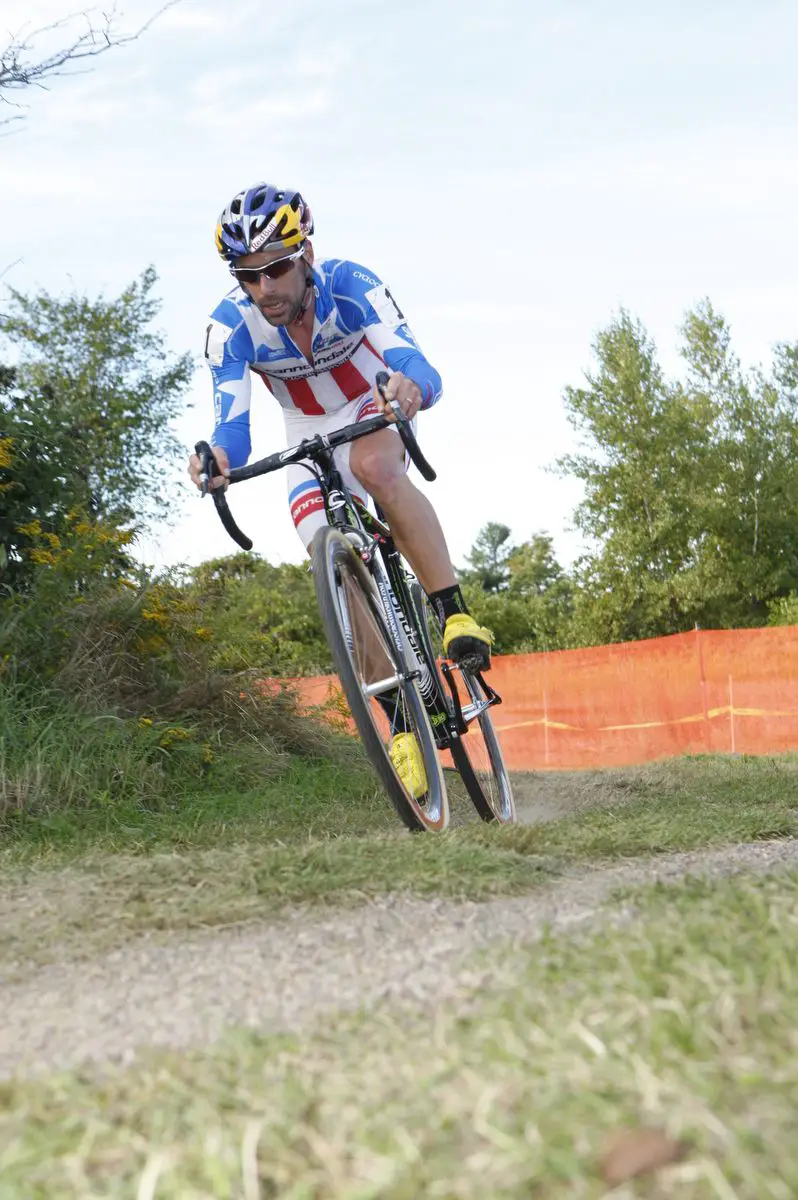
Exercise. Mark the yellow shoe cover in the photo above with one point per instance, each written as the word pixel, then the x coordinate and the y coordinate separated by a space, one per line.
pixel 405 754
pixel 464 639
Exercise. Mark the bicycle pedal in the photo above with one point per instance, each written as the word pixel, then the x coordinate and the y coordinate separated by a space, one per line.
pixel 471 662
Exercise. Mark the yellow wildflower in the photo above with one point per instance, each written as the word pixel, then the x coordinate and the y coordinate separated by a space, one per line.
pixel 155 614
pixel 32 529
pixel 6 457
pixel 175 733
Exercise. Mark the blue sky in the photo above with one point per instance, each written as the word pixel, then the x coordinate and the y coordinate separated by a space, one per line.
pixel 516 171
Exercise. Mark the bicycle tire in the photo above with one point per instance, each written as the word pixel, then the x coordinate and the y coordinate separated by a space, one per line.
pixel 477 754
pixel 361 644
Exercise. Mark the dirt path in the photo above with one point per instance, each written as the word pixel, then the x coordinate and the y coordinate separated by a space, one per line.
pixel 551 796
pixel 187 990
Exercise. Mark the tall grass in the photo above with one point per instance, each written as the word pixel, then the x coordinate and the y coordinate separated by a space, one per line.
pixel 56 754
pixel 110 702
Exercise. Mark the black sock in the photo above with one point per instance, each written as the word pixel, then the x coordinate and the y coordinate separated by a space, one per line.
pixel 447 602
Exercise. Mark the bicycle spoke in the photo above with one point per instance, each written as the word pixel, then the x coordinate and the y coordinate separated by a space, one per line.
pixel 476 754
pixel 383 697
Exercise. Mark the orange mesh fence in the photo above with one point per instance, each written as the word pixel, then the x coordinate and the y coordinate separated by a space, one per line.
pixel 713 691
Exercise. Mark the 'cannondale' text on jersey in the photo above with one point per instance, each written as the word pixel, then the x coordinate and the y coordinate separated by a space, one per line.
pixel 358 330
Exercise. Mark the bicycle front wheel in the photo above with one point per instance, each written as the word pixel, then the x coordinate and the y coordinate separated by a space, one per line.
pixel 381 692
pixel 476 754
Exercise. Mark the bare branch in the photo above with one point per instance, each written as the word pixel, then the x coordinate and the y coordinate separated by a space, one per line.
pixel 21 67
pixel 10 267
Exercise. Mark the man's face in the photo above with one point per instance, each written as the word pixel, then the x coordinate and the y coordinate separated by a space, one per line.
pixel 280 292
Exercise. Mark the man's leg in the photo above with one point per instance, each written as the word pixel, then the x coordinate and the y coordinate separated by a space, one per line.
pixel 377 462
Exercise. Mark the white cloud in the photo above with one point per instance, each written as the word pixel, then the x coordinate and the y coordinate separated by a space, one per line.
pixel 267 113
pixel 187 18
pixel 272 98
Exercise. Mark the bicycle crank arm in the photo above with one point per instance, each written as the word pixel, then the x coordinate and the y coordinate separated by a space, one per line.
pixel 491 695
pixel 460 723
pixel 474 710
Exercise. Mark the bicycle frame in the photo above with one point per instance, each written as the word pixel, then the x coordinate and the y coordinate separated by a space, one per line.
pixel 446 725
pixel 375 545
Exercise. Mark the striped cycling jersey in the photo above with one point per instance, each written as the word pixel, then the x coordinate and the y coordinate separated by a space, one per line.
pixel 358 330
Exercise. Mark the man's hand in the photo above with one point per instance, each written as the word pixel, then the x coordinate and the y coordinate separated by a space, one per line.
pixel 400 388
pixel 195 468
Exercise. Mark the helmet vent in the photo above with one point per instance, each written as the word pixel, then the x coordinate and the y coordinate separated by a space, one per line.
pixel 265 215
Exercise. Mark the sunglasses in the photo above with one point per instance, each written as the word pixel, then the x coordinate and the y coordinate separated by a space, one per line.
pixel 272 270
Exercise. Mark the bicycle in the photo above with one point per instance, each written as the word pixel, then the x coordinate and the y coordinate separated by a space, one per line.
pixel 385 637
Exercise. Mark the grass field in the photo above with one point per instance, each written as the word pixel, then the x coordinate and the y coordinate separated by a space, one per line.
pixel 682 1020
pixel 94 880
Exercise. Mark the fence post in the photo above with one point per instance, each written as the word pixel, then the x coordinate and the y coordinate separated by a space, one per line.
pixel 731 714
pixel 703 678
pixel 545 711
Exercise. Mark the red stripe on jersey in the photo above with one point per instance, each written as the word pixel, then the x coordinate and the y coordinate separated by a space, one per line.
pixel 369 346
pixel 305 505
pixel 302 397
pixel 266 382
pixel 349 380
pixel 369 409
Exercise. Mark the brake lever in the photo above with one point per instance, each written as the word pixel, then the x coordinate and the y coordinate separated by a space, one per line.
pixel 405 430
pixel 393 405
pixel 207 462
pixel 395 408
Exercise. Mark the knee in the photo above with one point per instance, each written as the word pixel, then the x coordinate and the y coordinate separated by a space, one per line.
pixel 381 475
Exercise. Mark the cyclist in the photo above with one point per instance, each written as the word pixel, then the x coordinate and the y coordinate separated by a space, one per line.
pixel 316 334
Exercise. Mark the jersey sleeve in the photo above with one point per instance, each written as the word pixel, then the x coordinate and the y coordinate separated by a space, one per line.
pixel 366 303
pixel 228 352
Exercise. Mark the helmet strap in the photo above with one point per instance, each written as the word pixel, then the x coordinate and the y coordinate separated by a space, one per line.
pixel 305 305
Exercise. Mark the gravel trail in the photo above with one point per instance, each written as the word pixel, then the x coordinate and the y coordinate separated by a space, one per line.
pixel 282 975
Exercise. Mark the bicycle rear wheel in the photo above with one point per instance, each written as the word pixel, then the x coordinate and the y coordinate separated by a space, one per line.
pixel 477 754
pixel 369 666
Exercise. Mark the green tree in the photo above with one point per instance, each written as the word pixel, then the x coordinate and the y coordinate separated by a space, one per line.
pixel 532 566
pixel 488 560
pixel 530 608
pixel 691 488
pixel 85 412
